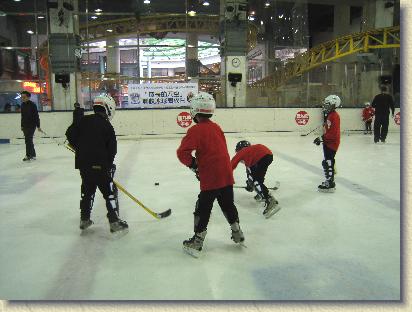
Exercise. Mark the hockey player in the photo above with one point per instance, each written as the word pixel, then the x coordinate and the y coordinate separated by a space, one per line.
pixel 331 141
pixel 78 113
pixel 257 159
pixel 382 103
pixel 367 115
pixel 94 141
pixel 212 166
pixel 29 122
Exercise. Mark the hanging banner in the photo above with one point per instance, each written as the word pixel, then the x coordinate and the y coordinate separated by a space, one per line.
pixel 159 95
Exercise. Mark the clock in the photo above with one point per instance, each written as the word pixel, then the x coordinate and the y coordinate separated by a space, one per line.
pixel 235 62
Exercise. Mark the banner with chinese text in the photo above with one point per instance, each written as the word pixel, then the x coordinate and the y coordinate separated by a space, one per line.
pixel 158 95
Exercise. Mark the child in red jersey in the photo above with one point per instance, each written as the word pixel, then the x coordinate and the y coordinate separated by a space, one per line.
pixel 257 159
pixel 331 141
pixel 367 115
pixel 213 169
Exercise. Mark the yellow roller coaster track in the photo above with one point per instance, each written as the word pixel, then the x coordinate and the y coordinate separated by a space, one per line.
pixel 332 50
pixel 158 24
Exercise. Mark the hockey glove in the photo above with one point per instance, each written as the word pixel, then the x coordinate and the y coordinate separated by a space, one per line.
pixel 194 168
pixel 249 186
pixel 112 170
pixel 317 141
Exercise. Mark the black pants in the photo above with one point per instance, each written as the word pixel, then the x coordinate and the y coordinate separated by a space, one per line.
pixel 258 172
pixel 368 126
pixel 380 127
pixel 91 179
pixel 28 140
pixel 328 163
pixel 204 206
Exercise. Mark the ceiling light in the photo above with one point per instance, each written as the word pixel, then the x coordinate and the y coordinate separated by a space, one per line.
pixel 251 18
pixel 191 13
pixel 17 0
pixel 93 17
pixel 30 32
pixel 206 3
pixel 146 1
pixel 40 17
pixel 109 30
pixel 267 4
pixel 252 13
pixel 98 10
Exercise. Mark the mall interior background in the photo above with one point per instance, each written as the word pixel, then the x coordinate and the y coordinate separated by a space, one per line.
pixel 256 53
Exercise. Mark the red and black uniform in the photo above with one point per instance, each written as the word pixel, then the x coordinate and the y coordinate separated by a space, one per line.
pixel 367 116
pixel 214 170
pixel 257 159
pixel 331 141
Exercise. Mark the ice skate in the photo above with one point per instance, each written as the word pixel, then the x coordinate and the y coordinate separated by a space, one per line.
pixel 26 158
pixel 259 198
pixel 84 224
pixel 119 226
pixel 327 187
pixel 237 234
pixel 194 245
pixel 271 207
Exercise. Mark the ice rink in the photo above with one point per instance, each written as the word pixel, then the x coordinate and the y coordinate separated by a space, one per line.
pixel 341 246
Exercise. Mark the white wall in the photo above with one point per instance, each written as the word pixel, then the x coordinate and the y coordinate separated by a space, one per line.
pixel 148 122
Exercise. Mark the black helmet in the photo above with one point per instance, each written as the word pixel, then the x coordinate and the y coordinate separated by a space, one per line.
pixel 242 144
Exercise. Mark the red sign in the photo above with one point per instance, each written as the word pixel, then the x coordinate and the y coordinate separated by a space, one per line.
pixel 184 119
pixel 32 87
pixel 397 118
pixel 302 118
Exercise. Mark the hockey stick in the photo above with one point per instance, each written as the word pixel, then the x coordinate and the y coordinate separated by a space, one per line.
pixel 274 188
pixel 305 134
pixel 160 215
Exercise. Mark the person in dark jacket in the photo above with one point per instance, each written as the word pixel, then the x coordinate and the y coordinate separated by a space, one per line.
pixel 382 103
pixel 95 145
pixel 29 122
pixel 212 168
pixel 78 113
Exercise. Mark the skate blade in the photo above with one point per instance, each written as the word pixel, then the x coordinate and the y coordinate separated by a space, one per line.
pixel 119 234
pixel 193 252
pixel 272 212
pixel 331 190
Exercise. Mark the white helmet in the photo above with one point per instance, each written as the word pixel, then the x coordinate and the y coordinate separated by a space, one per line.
pixel 202 103
pixel 367 103
pixel 330 103
pixel 108 103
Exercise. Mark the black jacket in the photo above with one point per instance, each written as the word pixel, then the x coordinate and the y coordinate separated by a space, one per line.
pixel 78 113
pixel 29 115
pixel 95 142
pixel 382 103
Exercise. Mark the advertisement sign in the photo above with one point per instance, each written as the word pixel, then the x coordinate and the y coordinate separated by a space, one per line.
pixel 302 118
pixel 184 119
pixel 159 95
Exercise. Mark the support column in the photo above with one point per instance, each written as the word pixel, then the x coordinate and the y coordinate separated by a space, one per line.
pixel 192 61
pixel 234 33
pixel 64 55
pixel 113 56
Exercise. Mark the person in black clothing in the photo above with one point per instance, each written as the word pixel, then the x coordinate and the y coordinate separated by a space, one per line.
pixel 94 142
pixel 78 113
pixel 29 121
pixel 382 103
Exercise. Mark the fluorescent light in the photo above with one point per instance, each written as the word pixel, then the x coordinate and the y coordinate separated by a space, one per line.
pixel 93 17
pixel 146 1
pixel 40 17
pixel 251 18
pixel 206 3
pixel 30 32
pixel 98 10
pixel 17 0
pixel 267 4
pixel 109 30
pixel 191 13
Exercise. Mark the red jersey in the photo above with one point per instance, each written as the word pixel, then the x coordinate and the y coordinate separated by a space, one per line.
pixel 368 113
pixel 331 131
pixel 209 142
pixel 250 155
